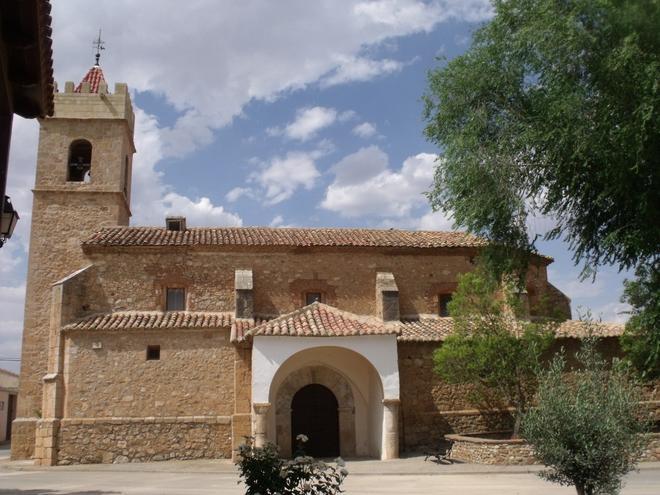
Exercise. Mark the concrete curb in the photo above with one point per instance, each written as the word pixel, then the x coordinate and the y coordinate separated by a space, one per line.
pixel 400 467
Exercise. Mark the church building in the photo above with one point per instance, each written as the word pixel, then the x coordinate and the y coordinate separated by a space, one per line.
pixel 172 342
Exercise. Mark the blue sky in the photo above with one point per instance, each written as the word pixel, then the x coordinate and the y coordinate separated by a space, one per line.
pixel 288 113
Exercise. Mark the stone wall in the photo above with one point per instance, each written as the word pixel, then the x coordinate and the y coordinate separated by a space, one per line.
pixel 491 451
pixel 345 277
pixel 431 408
pixel 478 450
pixel 22 438
pixel 193 377
pixel 64 213
pixel 652 450
pixel 118 440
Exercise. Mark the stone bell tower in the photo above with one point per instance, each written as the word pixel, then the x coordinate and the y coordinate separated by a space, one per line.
pixel 83 182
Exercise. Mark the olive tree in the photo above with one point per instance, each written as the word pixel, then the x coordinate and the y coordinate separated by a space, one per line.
pixel 588 423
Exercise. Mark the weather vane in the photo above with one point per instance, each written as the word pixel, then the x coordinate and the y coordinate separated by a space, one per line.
pixel 99 44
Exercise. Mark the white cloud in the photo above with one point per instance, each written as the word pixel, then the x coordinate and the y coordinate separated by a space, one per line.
pixel 207 62
pixel 11 324
pixel 308 122
pixel 236 193
pixel 365 130
pixel 435 221
pixel 364 185
pixel 277 221
pixel 355 69
pixel 282 176
pixel 152 199
pixel 198 213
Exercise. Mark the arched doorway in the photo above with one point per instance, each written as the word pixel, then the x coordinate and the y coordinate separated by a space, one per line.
pixel 314 413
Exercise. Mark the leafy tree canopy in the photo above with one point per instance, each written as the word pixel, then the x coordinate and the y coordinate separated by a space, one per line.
pixel 554 110
pixel 587 426
pixel 642 338
pixel 490 349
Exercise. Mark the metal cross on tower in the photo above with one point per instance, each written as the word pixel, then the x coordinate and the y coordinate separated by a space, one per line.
pixel 99 44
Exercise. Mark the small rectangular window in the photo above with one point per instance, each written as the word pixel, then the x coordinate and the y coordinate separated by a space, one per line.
pixel 175 300
pixel 312 297
pixel 444 300
pixel 153 352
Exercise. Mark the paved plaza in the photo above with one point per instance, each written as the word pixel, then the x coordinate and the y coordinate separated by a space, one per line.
pixel 205 477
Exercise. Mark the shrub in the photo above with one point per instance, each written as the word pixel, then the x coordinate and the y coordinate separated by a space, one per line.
pixel 265 473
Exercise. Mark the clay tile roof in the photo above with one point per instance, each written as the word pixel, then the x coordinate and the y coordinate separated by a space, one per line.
pixel 321 320
pixel 130 320
pixel 580 329
pixel 265 236
pixel 94 77
pixel 437 329
pixel 426 329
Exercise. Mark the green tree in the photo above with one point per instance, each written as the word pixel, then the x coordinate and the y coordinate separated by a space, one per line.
pixel 587 426
pixel 554 111
pixel 490 348
pixel 641 340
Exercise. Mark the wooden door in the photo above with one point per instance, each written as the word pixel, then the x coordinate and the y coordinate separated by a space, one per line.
pixel 314 414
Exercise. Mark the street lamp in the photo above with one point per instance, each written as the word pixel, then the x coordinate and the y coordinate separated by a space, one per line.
pixel 8 221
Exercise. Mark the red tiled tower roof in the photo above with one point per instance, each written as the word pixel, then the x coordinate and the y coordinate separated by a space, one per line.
pixel 94 77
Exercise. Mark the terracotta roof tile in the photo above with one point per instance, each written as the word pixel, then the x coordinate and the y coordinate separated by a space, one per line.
pixel 130 320
pixel 315 320
pixel 265 236
pixel 437 329
pixel 94 77
pixel 580 329
pixel 321 320
pixel 426 329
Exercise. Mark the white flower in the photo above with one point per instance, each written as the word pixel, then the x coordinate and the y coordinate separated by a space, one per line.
pixel 340 462
pixel 303 438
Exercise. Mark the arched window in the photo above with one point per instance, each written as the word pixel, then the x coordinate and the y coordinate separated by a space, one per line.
pixel 80 161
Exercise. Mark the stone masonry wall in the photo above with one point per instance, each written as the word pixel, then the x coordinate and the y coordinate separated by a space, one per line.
pixel 193 377
pixel 487 451
pixel 515 452
pixel 63 214
pixel 346 278
pixel 120 440
pixel 431 408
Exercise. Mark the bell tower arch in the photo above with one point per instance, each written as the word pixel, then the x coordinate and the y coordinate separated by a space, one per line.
pixel 83 182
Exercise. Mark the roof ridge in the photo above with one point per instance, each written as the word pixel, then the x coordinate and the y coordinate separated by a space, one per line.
pixel 327 307
pixel 279 229
pixel 317 312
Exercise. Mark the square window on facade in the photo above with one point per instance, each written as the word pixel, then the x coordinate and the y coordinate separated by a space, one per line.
pixel 312 297
pixel 444 300
pixel 153 352
pixel 175 299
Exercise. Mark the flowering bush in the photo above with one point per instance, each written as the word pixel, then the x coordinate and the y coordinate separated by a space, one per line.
pixel 265 473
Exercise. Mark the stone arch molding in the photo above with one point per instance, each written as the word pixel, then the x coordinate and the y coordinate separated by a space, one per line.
pixel 339 386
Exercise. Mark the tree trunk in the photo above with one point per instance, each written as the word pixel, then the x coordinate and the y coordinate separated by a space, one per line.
pixel 516 425
pixel 582 490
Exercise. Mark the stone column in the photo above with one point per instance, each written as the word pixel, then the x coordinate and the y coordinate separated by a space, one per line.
pixel 260 422
pixel 390 447
pixel 346 431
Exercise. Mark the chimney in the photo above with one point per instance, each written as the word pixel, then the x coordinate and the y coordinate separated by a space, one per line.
pixel 177 224
pixel 387 297
pixel 244 297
